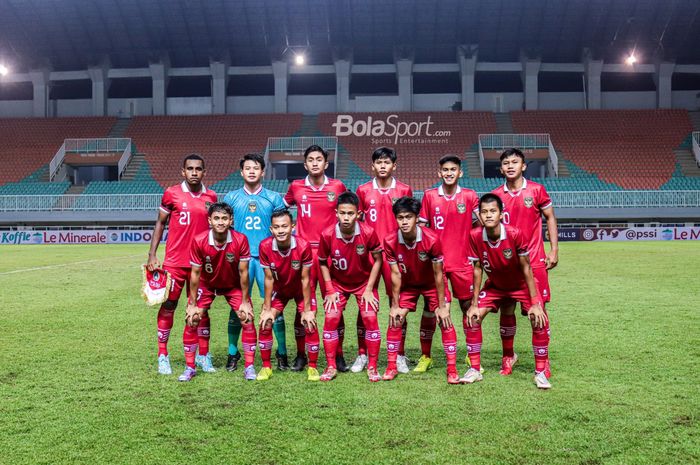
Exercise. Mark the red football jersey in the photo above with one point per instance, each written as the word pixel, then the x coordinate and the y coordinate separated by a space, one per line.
pixel 286 267
pixel 523 210
pixel 376 203
pixel 188 217
pixel 451 217
pixel 219 264
pixel 350 260
pixel 500 260
pixel 315 206
pixel 415 261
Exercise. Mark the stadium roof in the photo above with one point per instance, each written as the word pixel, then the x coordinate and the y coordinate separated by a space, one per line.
pixel 72 34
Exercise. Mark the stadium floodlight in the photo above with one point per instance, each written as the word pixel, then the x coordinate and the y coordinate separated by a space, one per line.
pixel 4 70
pixel 631 59
pixel 299 59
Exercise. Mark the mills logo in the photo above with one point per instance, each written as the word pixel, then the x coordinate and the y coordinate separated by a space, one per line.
pixel 346 125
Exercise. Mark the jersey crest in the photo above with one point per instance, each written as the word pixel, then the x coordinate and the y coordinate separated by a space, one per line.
pixel 529 201
pixel 252 206
pixel 296 264
pixel 422 256
pixel 360 249
pixel 330 196
pixel 508 253
pixel 461 208
pixel 230 257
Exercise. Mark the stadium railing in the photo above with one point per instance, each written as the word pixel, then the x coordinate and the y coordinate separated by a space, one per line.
pixel 696 146
pixel 151 202
pixel 93 145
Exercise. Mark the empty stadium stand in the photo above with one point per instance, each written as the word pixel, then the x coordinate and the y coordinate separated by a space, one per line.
pixel 632 149
pixel 221 139
pixel 29 143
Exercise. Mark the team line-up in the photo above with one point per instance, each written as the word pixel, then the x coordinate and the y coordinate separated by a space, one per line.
pixel 345 242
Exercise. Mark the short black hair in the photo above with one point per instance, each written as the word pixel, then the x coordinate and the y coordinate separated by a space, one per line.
pixel 406 205
pixel 193 156
pixel 384 152
pixel 280 213
pixel 350 198
pixel 512 152
pixel 315 148
pixel 256 157
pixel 489 198
pixel 450 158
pixel 220 207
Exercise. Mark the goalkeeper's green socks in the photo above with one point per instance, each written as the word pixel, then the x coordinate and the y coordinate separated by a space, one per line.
pixel 234 332
pixel 279 330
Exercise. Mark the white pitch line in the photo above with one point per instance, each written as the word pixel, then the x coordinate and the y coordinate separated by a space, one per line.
pixel 48 267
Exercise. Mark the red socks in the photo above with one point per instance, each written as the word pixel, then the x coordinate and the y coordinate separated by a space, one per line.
pixel 393 342
pixel 203 330
pixel 427 329
pixel 508 327
pixel 540 346
pixel 402 346
pixel 449 343
pixel 312 347
pixel 189 341
pixel 249 340
pixel 165 324
pixel 474 339
pixel 373 337
pixel 265 344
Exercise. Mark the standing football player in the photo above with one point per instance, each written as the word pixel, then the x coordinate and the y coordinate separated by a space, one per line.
pixel 350 257
pixel 502 252
pixel 315 197
pixel 524 204
pixel 449 210
pixel 287 262
pixel 253 206
pixel 415 256
pixel 219 260
pixel 376 199
pixel 183 209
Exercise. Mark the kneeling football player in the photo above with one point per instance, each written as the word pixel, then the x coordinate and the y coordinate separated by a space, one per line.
pixel 287 262
pixel 502 252
pixel 219 259
pixel 415 256
pixel 350 258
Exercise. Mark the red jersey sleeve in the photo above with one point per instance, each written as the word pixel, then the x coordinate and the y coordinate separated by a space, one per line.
pixel 307 257
pixel 520 243
pixel 475 203
pixel 324 247
pixel 436 252
pixel 263 257
pixel 195 255
pixel 244 251
pixel 389 253
pixel 167 203
pixel 543 198
pixel 373 243
pixel 289 196
pixel 472 253
pixel 425 209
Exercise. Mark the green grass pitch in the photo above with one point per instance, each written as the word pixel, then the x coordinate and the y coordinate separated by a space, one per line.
pixel 78 381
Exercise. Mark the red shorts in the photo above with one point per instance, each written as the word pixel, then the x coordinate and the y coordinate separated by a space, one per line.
pixel 493 298
pixel 462 283
pixel 408 298
pixel 179 279
pixel 345 293
pixel 541 276
pixel 279 302
pixel 205 297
